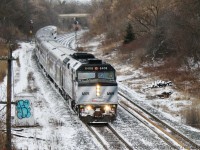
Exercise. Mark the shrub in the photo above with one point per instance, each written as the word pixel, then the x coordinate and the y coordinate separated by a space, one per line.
pixel 3 70
pixel 134 51
pixel 185 80
pixel 193 117
pixel 130 36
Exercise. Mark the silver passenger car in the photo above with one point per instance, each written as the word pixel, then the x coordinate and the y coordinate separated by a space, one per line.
pixel 86 82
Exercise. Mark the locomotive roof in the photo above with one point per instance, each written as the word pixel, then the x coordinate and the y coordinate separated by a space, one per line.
pixel 59 52
pixel 46 33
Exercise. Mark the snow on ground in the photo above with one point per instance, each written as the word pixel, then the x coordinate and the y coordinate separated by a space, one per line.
pixel 58 127
pixel 134 82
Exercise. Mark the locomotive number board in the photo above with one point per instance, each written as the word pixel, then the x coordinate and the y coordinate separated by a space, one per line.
pixel 96 68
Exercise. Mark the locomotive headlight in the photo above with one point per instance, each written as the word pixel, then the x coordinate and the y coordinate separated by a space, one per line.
pixel 98 90
pixel 107 108
pixel 88 107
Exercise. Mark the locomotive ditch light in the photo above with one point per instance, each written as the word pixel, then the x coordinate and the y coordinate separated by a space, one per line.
pixel 107 108
pixel 88 107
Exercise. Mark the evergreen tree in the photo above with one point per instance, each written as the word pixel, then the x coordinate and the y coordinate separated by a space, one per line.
pixel 130 36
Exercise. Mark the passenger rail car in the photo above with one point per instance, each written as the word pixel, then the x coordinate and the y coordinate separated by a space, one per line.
pixel 88 83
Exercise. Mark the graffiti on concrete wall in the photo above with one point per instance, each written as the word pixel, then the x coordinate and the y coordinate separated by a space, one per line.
pixel 23 109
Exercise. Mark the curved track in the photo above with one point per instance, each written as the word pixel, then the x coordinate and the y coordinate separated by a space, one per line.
pixel 110 139
pixel 107 139
pixel 70 40
pixel 164 131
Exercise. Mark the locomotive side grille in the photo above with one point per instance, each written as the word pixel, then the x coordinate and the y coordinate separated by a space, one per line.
pixel 94 61
pixel 78 56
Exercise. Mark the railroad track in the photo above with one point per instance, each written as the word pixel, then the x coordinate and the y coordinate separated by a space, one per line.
pixel 112 141
pixel 108 137
pixel 68 40
pixel 68 43
pixel 170 135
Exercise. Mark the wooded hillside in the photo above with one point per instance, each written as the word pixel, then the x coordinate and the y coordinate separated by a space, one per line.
pixel 16 15
pixel 170 27
pixel 163 37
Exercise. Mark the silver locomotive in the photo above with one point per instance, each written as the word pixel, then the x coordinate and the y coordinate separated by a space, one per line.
pixel 86 82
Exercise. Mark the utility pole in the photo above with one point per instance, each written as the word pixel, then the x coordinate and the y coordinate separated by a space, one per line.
pixel 9 91
pixel 9 59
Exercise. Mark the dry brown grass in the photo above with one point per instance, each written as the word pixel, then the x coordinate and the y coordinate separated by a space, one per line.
pixel 134 52
pixel 3 69
pixel 3 64
pixel 192 116
pixel 108 46
pixel 185 80
pixel 2 140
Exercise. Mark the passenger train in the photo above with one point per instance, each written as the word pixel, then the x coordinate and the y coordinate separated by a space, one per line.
pixel 88 83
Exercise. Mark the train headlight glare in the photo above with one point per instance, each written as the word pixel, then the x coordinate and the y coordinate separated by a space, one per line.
pixel 88 107
pixel 107 108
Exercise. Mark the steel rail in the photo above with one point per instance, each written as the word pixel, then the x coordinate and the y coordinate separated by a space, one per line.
pixel 146 122
pixel 179 137
pixel 96 136
pixel 89 126
pixel 119 137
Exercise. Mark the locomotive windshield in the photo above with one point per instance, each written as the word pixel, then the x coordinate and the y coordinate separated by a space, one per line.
pixel 105 75
pixel 96 75
pixel 86 75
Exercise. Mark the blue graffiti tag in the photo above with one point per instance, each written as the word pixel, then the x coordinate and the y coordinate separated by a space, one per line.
pixel 23 109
